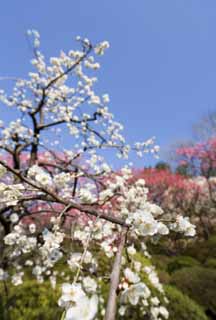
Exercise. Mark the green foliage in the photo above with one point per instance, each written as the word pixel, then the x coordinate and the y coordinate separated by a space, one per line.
pixel 30 301
pixel 162 165
pixel 161 261
pixel 199 284
pixel 184 170
pixel 211 263
pixel 181 307
pixel 203 250
pixel 195 292
pixel 163 276
pixel 180 262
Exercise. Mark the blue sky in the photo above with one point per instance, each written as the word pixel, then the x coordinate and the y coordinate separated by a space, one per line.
pixel 160 71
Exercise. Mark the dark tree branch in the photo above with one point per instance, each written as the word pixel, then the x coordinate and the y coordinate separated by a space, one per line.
pixel 82 208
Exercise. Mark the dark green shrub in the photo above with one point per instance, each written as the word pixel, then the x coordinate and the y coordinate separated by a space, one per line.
pixel 181 262
pixel 181 307
pixel 163 276
pixel 199 284
pixel 161 261
pixel 202 250
pixel 30 301
pixel 211 263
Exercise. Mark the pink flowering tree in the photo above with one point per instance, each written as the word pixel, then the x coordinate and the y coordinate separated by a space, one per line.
pixel 62 201
pixel 177 194
pixel 200 158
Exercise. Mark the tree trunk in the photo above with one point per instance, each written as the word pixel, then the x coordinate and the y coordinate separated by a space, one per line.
pixel 112 299
pixel 205 227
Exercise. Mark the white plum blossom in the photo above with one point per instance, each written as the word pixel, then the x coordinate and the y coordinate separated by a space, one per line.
pixel 85 309
pixel 89 284
pixel 122 310
pixel 20 240
pixel 75 258
pixel 131 276
pixel 183 225
pixel 164 312
pixel 17 278
pixel 14 217
pixel 77 304
pixel 86 196
pixel 131 250
pixel 144 223
pixel 32 228
pixel 71 293
pixel 10 194
pixel 153 278
pixel 62 179
pixel 101 47
pixel 134 293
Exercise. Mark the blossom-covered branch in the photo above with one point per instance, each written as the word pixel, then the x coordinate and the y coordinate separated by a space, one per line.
pixel 62 201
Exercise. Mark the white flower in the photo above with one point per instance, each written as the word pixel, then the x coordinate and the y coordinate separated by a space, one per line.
pixel 106 246
pixel 183 225
pixel 34 170
pixel 162 228
pixel 10 193
pixel 153 278
pixel 17 278
pixel 137 266
pixel 32 228
pixel 62 179
pixel 140 182
pixel 131 276
pixel 86 196
pixel 156 210
pixel 44 179
pixel 106 98
pixel 155 301
pixel 39 175
pixel 101 47
pixel 37 271
pixel 74 260
pixel 164 312
pixel 134 293
pixel 11 238
pixel 29 263
pixel 122 310
pixel 14 217
pixel 89 284
pixel 71 293
pixel 145 223
pixel 131 250
pixel 84 309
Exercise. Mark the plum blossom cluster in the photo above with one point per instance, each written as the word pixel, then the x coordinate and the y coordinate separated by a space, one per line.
pixel 10 193
pixel 179 195
pixel 183 224
pixel 136 292
pixel 50 87
pixel 76 301
pixel 68 205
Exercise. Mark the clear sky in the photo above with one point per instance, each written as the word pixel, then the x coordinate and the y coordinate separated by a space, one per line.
pixel 160 71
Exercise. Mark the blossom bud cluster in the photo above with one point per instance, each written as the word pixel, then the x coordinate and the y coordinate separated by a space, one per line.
pixel 10 194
